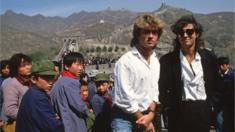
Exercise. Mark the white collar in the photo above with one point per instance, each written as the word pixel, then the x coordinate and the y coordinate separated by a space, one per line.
pixel 135 51
pixel 197 56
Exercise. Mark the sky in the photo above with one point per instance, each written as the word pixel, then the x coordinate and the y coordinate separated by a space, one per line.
pixel 65 8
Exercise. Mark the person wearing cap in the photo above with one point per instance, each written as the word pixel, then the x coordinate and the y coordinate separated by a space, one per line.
pixel 36 113
pixel 111 85
pixel 136 74
pixel 65 94
pixel 91 84
pixel 188 79
pixel 101 104
pixel 225 108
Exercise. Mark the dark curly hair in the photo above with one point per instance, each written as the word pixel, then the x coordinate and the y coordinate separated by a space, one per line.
pixel 15 62
pixel 4 63
pixel 183 21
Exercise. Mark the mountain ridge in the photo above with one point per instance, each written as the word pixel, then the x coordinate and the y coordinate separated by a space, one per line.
pixel 112 27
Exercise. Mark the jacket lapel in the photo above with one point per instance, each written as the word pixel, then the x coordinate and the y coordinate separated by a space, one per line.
pixel 177 74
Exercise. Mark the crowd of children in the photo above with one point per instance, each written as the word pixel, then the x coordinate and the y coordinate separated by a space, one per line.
pixel 35 99
pixel 188 82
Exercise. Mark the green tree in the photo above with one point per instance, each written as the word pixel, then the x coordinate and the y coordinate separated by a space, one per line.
pixel 82 50
pixel 123 49
pixel 116 49
pixel 87 50
pixel 104 48
pixel 110 49
pixel 92 50
pixel 38 56
pixel 98 49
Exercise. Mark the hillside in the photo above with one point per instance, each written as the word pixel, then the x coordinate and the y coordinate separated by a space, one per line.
pixel 15 41
pixel 22 33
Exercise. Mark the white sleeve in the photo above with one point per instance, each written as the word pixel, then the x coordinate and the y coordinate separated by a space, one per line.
pixel 156 85
pixel 124 95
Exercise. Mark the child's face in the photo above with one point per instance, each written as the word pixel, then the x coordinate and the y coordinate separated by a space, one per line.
pixel 25 68
pixel 44 83
pixel 57 69
pixel 84 92
pixel 110 84
pixel 224 67
pixel 6 70
pixel 103 88
pixel 76 68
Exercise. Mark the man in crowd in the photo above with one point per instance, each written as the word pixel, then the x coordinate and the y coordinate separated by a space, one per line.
pixel 136 74
pixel 225 107
pixel 188 79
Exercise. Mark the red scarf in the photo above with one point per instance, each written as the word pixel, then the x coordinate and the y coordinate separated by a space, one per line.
pixel 23 81
pixel 107 97
pixel 88 104
pixel 69 74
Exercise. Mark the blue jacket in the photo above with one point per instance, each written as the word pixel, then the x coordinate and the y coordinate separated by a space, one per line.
pixel 36 113
pixel 67 103
pixel 227 89
pixel 101 105
pixel 91 90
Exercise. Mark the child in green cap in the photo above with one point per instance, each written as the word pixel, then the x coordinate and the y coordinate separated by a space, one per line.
pixel 102 103
pixel 36 112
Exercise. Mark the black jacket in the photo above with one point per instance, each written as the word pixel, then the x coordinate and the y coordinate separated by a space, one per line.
pixel 170 84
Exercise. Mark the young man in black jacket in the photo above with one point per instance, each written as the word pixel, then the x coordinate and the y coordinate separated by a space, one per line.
pixel 188 78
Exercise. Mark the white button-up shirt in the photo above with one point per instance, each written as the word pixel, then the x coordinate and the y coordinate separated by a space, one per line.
pixel 136 81
pixel 192 77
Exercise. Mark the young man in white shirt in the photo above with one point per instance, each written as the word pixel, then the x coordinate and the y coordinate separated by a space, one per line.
pixel 136 79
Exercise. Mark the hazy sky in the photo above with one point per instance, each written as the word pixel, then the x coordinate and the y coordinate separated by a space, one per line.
pixel 67 7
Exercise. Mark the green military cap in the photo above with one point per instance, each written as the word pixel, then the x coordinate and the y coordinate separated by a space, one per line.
pixel 102 77
pixel 43 68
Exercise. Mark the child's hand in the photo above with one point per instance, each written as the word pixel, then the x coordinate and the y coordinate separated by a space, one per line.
pixel 57 116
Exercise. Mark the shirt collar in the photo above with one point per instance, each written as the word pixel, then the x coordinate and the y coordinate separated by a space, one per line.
pixel 135 51
pixel 197 56
pixel 226 72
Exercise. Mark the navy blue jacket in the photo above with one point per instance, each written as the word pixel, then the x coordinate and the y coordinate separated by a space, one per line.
pixel 101 105
pixel 227 89
pixel 36 113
